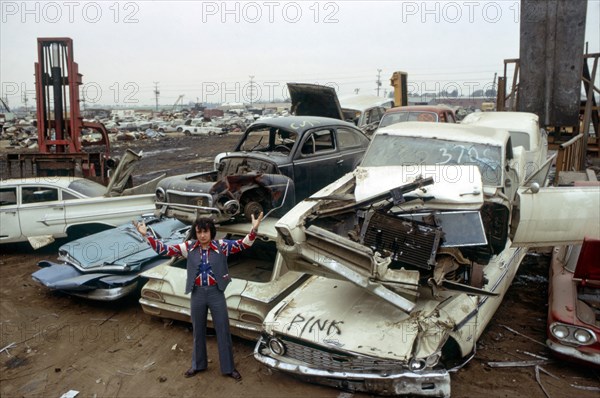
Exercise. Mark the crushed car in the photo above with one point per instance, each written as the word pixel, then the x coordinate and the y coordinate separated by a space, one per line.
pixel 574 302
pixel 414 251
pixel 106 266
pixel 260 279
pixel 276 163
pixel 41 209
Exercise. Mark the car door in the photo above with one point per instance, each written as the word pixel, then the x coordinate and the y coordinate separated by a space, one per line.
pixel 351 145
pixel 42 211
pixel 10 229
pixel 316 162
pixel 556 215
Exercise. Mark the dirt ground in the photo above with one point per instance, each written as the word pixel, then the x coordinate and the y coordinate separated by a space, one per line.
pixel 60 343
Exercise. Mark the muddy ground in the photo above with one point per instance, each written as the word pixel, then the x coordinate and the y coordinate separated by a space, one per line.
pixel 61 343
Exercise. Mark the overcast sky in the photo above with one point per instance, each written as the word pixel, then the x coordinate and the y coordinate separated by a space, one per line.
pixel 208 50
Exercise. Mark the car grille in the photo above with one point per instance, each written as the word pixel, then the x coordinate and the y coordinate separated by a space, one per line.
pixel 337 361
pixel 187 199
pixel 408 241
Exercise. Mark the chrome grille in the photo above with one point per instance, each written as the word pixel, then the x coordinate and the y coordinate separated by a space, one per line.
pixel 187 199
pixel 338 361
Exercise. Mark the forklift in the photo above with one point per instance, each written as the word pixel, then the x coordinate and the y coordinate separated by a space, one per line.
pixel 59 121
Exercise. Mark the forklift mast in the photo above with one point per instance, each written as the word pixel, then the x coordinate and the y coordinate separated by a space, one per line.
pixel 59 121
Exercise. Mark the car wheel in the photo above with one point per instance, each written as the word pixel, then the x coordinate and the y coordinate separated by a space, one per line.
pixel 187 132
pixel 179 129
pixel 252 207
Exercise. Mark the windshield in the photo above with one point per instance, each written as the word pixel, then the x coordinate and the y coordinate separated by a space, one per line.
pixel 88 188
pixel 398 117
pixel 268 139
pixel 389 150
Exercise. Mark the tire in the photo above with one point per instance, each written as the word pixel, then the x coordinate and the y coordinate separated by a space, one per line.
pixel 179 129
pixel 187 132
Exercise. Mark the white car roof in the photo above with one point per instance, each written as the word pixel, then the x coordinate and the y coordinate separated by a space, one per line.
pixel 512 121
pixel 267 228
pixel 61 182
pixel 448 131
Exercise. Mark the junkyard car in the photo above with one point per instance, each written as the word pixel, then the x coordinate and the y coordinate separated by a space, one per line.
pixel 524 129
pixel 107 265
pixel 260 279
pixel 364 111
pixel 425 227
pixel 281 158
pixel 40 209
pixel 574 302
pixel 418 113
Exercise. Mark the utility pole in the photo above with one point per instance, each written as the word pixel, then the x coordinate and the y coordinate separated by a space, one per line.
pixel 356 90
pixel 378 82
pixel 25 100
pixel 251 89
pixel 156 93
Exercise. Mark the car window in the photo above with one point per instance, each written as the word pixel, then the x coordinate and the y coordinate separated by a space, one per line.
pixel 87 187
pixel 520 138
pixel 8 196
pixel 318 141
pixel 451 118
pixel 350 139
pixel 68 195
pixel 39 194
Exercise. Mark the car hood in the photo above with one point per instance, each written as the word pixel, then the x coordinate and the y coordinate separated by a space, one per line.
pixel 121 249
pixel 588 266
pixel 314 100
pixel 345 317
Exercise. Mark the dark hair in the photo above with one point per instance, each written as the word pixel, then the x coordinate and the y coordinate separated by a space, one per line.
pixel 204 224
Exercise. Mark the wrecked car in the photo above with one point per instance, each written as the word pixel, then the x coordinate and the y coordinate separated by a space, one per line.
pixel 107 265
pixel 40 209
pixel 260 279
pixel 276 163
pixel 415 250
pixel 574 302
pixel 418 113
pixel 364 111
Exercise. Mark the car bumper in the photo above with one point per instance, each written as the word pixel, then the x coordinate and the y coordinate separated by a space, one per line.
pixel 433 383
pixel 573 352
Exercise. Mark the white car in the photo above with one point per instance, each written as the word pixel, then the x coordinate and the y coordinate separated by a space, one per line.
pixel 524 130
pixel 260 279
pixel 426 236
pixel 40 209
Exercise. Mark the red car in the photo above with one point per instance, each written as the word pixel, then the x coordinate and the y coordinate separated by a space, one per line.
pixel 574 302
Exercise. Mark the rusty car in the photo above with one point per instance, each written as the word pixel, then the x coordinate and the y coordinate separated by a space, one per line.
pixel 414 251
pixel 418 113
pixel 276 163
pixel 574 302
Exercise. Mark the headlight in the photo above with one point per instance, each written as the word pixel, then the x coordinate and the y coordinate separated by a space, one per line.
pixel 160 195
pixel 276 347
pixel 570 334
pixel 583 336
pixel 416 364
pixel 285 235
pixel 560 331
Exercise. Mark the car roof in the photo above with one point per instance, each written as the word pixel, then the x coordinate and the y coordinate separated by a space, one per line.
pixel 301 123
pixel 363 102
pixel 521 121
pixel 447 131
pixel 421 108
pixel 62 182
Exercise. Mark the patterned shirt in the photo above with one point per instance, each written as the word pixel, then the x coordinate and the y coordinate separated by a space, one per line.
pixel 204 270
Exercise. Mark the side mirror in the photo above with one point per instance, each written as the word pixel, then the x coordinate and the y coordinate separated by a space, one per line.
pixel 533 188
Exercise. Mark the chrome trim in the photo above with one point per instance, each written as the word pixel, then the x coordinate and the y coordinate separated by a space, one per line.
pixel 432 383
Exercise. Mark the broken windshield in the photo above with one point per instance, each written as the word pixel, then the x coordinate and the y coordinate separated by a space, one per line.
pixel 268 139
pixel 391 150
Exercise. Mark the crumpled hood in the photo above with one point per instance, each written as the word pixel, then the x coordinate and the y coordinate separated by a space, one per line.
pixel 454 185
pixel 340 315
pixel 121 249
